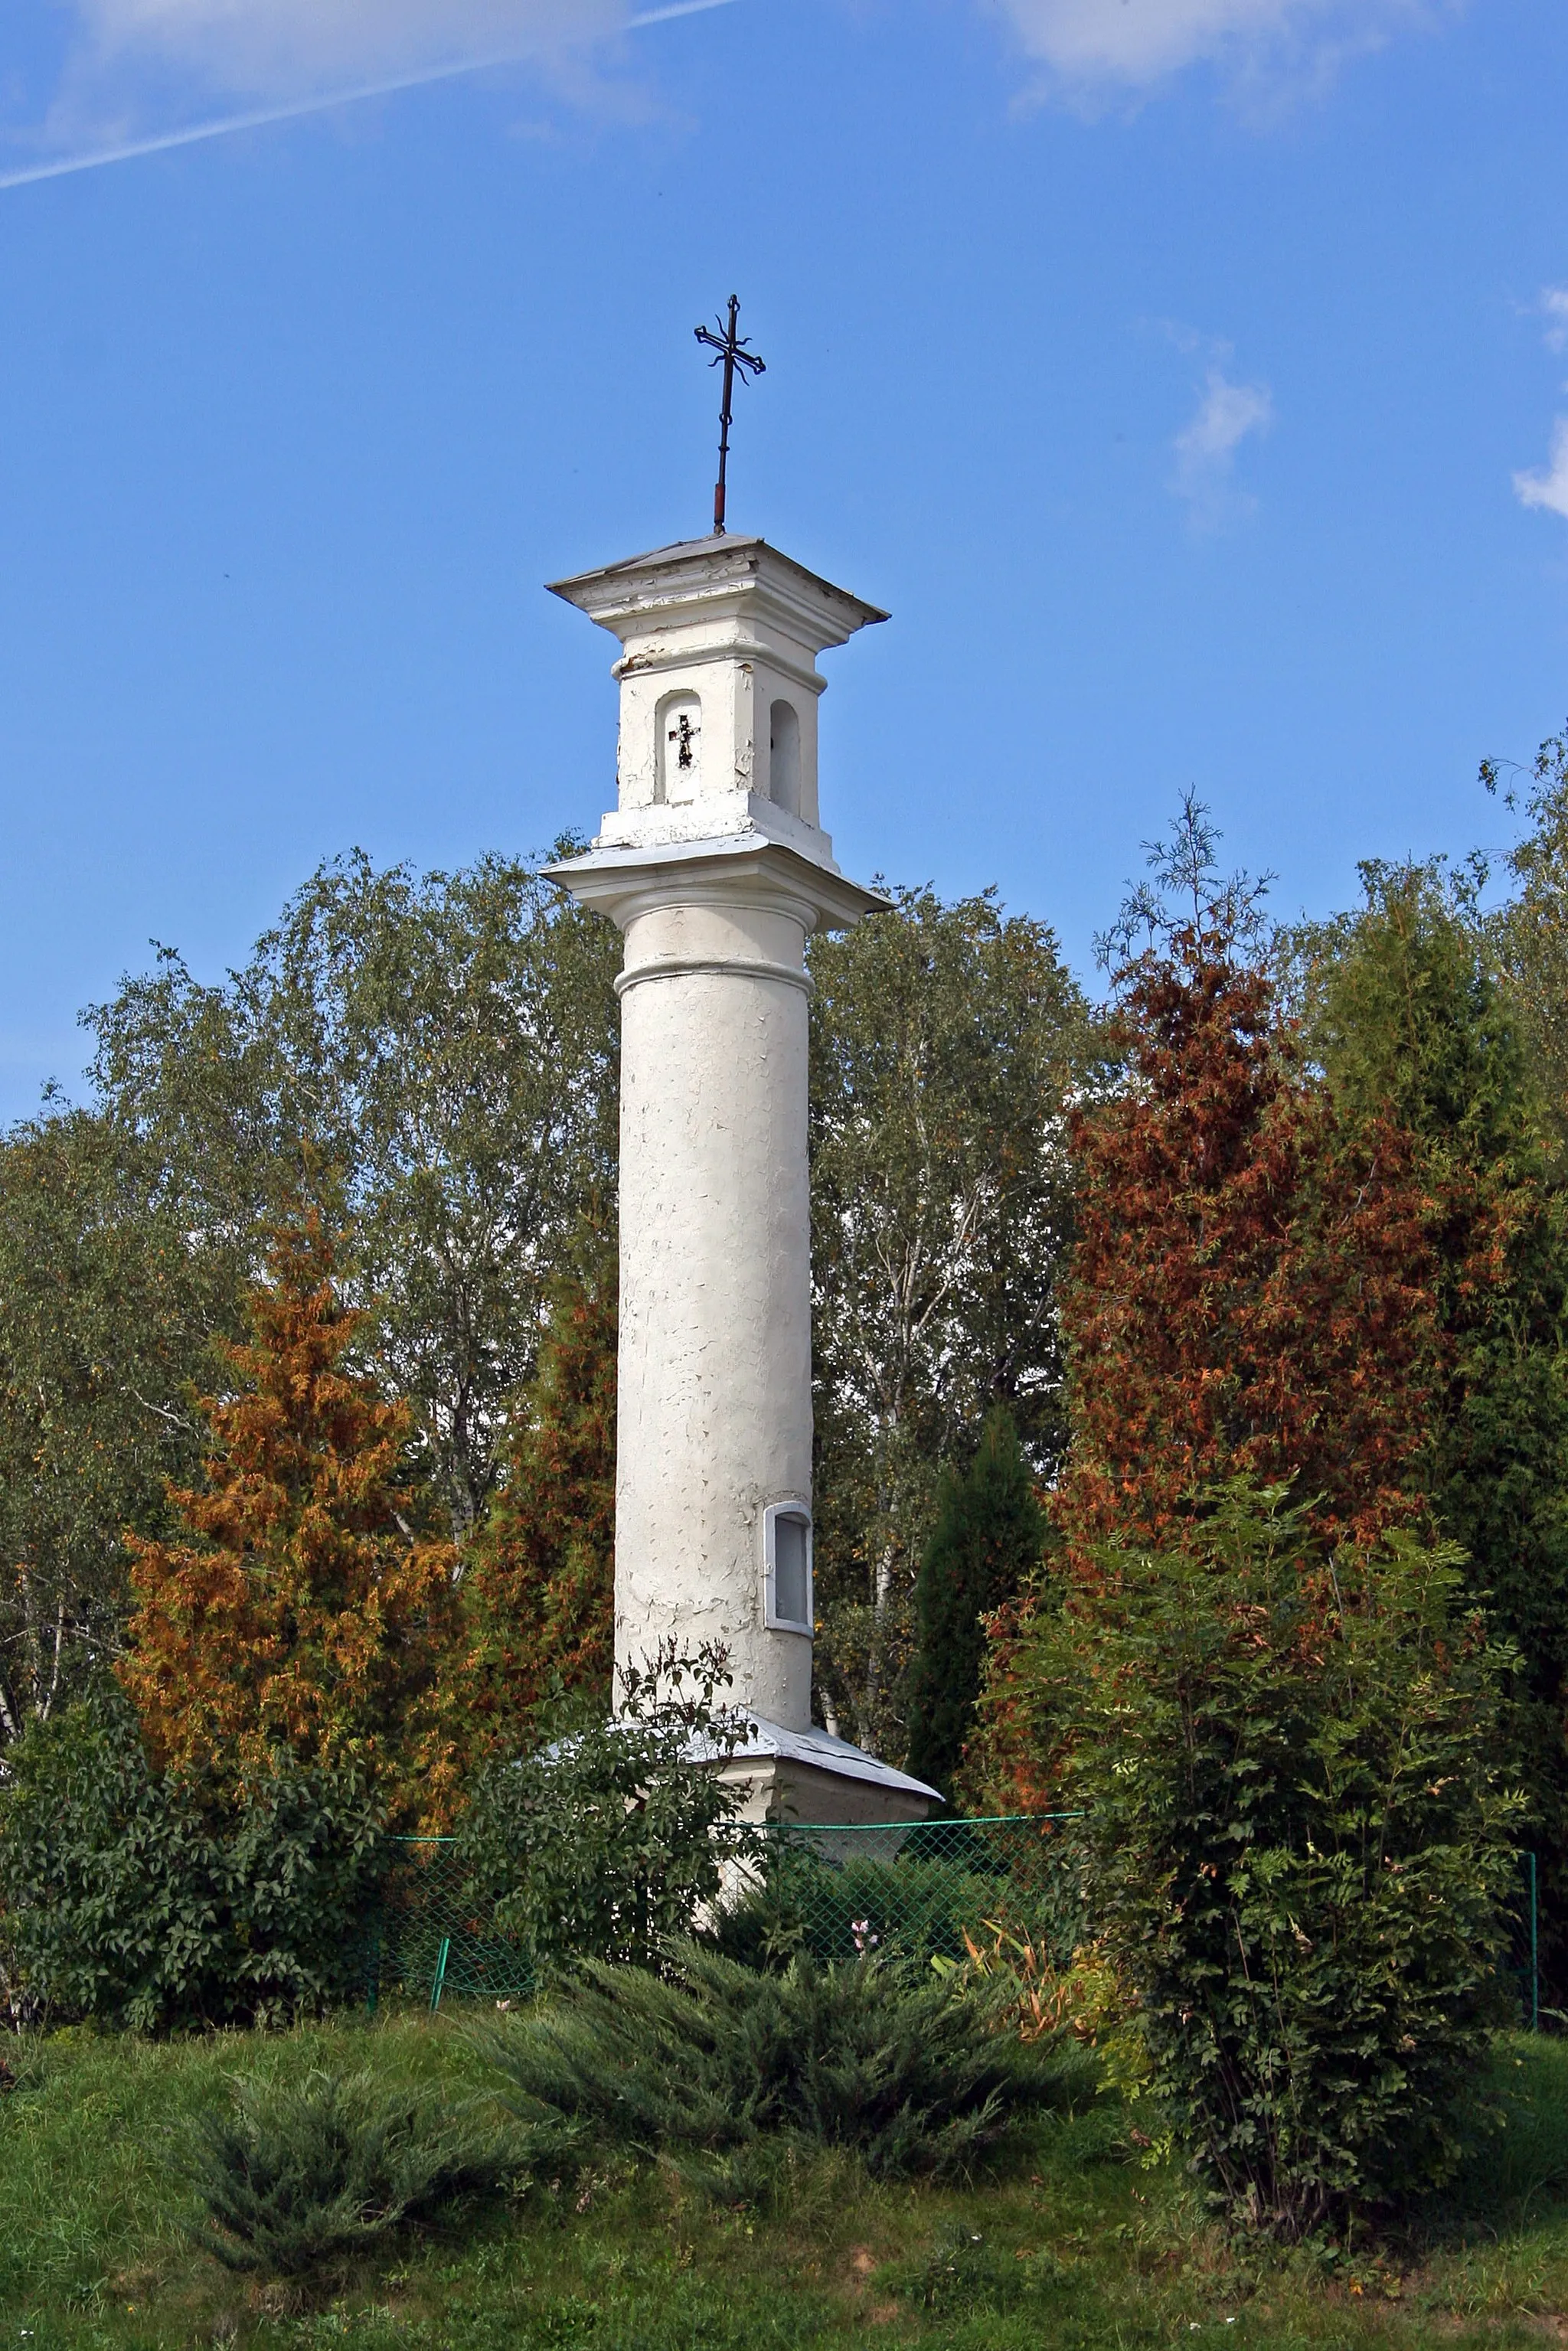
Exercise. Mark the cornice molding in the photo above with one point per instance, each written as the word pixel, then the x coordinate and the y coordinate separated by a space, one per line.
pixel 705 578
pixel 747 869
pixel 702 967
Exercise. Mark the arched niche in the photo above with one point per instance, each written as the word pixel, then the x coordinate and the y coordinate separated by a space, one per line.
pixel 680 735
pixel 784 758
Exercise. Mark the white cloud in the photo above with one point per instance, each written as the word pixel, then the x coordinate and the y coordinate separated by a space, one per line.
pixel 1084 45
pixel 268 49
pixel 1554 309
pixel 1206 448
pixel 147 73
pixel 1548 490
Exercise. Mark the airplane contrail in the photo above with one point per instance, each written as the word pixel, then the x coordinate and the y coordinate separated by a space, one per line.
pixel 28 174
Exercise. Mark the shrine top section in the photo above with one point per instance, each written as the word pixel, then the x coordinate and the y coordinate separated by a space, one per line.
pixel 719 689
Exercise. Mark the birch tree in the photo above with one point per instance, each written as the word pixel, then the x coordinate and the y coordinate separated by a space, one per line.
pixel 1529 936
pixel 945 1041
pixel 105 1315
pixel 445 1047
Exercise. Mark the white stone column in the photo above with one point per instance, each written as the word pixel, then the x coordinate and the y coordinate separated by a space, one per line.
pixel 713 1496
pixel 716 1276
pixel 715 868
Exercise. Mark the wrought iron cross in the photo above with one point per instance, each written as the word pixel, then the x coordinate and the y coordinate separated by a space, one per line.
pixel 729 347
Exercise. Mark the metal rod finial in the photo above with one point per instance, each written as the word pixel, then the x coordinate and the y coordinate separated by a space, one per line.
pixel 728 346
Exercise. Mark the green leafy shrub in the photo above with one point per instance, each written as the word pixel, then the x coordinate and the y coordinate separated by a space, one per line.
pixel 718 2067
pixel 1299 1851
pixel 608 1843
pixel 803 1900
pixel 122 1898
pixel 799 1897
pixel 296 2180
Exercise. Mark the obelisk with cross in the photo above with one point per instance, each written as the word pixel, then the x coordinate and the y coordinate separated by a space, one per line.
pixel 715 865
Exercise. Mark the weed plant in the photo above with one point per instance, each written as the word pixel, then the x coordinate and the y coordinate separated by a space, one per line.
pixel 612 1839
pixel 963 2270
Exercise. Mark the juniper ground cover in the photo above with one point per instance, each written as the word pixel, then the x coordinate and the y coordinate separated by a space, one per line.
pixel 1077 2236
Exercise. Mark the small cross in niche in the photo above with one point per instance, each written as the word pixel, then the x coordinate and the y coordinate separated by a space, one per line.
pixel 684 735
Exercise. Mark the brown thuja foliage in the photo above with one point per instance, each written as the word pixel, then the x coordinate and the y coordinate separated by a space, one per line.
pixel 302 1616
pixel 1252 1292
pixel 539 1592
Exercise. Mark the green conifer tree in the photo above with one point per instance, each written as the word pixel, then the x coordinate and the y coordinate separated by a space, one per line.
pixel 539 1592
pixel 1405 1017
pixel 989 1534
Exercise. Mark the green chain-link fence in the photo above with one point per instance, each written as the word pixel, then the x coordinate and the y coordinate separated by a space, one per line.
pixel 428 1940
pixel 913 1889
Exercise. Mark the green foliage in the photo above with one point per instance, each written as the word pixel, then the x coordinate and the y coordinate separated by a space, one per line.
pixel 537 1595
pixel 1400 1006
pixel 905 1909
pixel 105 1316
pixel 446 1044
pixel 963 2270
pixel 614 1838
pixel 1529 934
pixel 1407 1018
pixel 711 2059
pixel 989 1538
pixel 96 2253
pixel 443 1050
pixel 1299 1852
pixel 919 1906
pixel 944 1040
pixel 297 2178
pixel 121 1899
pixel 440 1050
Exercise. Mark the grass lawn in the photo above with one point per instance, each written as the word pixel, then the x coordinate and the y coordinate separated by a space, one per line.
pixel 1078 2243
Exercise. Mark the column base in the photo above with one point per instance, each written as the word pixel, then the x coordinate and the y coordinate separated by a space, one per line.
pixel 821 1782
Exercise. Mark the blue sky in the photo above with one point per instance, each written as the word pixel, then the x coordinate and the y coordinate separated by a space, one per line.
pixel 1183 374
